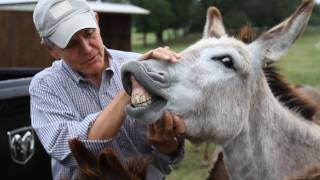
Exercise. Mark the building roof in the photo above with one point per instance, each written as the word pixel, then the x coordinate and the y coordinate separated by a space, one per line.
pixel 98 6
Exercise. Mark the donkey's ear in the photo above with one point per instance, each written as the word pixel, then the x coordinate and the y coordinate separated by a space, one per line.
pixel 275 42
pixel 214 24
pixel 86 160
pixel 110 166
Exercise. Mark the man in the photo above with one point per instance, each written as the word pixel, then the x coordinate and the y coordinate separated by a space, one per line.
pixel 81 95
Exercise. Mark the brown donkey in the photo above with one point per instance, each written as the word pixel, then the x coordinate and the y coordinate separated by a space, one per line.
pixel 107 165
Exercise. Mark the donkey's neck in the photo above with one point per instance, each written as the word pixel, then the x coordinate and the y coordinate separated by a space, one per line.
pixel 274 142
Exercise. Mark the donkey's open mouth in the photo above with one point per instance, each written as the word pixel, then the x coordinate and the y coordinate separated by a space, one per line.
pixel 145 88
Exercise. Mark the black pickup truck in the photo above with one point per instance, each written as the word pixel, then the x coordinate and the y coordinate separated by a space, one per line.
pixel 21 154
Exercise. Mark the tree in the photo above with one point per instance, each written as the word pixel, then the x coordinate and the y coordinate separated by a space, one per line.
pixel 158 20
pixel 269 13
pixel 236 13
pixel 315 18
pixel 182 14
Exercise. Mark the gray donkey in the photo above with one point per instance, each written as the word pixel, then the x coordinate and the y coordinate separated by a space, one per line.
pixel 219 88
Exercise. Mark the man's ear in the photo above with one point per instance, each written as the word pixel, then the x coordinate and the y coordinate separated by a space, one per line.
pixel 97 17
pixel 51 50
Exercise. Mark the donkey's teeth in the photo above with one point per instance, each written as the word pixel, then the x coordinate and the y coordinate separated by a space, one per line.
pixel 139 96
pixel 141 100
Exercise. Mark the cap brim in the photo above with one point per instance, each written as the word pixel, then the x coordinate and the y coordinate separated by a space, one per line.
pixel 68 28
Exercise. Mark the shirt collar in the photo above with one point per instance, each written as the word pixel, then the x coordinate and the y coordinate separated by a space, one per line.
pixel 76 76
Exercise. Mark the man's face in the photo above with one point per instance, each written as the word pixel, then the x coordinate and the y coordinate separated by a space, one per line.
pixel 84 53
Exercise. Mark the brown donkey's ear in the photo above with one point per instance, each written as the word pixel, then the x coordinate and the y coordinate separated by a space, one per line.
pixel 86 160
pixel 138 166
pixel 214 24
pixel 275 42
pixel 111 168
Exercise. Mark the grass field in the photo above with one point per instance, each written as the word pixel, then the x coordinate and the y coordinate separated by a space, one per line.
pixel 301 65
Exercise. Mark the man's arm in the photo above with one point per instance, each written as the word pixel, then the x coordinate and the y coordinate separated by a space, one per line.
pixel 55 123
pixel 111 118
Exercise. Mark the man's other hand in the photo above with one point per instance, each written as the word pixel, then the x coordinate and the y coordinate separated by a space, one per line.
pixel 163 133
pixel 161 53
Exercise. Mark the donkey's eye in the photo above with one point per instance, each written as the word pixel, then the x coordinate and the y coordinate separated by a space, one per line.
pixel 227 61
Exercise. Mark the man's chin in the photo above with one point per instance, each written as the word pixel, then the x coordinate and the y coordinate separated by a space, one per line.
pixel 94 68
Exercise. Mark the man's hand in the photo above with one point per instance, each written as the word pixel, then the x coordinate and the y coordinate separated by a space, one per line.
pixel 163 133
pixel 161 53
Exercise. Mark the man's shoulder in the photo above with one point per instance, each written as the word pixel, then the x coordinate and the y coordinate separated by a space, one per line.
pixel 52 73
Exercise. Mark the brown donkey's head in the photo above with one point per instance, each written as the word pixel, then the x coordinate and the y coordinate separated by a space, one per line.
pixel 107 166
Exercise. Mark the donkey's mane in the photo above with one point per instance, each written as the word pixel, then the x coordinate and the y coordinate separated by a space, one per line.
pixel 286 93
pixel 247 34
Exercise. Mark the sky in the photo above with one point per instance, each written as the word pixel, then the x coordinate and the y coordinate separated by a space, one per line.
pixel 318 1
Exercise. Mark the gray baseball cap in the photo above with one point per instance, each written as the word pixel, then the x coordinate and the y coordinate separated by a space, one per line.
pixel 59 20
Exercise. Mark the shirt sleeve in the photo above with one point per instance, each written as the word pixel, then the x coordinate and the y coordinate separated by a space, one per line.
pixel 55 124
pixel 163 162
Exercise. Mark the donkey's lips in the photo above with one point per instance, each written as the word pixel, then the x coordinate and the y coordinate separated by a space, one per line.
pixel 148 96
pixel 144 101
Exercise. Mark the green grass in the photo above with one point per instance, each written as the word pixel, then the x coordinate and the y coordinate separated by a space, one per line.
pixel 301 65
pixel 190 167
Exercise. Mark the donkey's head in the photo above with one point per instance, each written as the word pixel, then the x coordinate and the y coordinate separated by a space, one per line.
pixel 213 85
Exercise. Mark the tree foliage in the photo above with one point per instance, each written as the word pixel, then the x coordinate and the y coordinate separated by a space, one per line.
pixel 161 16
pixel 315 18
pixel 189 15
pixel 182 13
pixel 255 12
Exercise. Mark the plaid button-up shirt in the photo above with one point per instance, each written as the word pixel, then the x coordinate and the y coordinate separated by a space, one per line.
pixel 64 105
